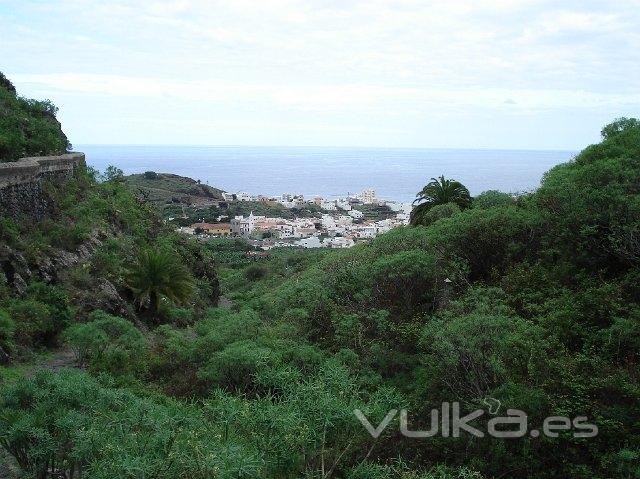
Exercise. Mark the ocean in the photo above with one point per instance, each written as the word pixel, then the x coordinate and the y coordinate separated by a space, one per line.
pixel 395 173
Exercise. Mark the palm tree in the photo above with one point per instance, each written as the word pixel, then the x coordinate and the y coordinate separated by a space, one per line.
pixel 439 191
pixel 157 275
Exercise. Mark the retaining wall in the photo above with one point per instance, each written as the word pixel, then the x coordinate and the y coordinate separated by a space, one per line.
pixel 21 182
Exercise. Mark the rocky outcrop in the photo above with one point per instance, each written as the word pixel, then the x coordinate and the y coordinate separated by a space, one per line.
pixel 102 294
pixel 54 265
pixel 15 268
pixel 48 267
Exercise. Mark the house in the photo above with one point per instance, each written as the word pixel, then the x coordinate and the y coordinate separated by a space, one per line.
pixel 242 196
pixel 368 196
pixel 343 204
pixel 244 226
pixel 367 231
pixel 328 205
pixel 356 214
pixel 338 242
pixel 304 231
pixel 312 242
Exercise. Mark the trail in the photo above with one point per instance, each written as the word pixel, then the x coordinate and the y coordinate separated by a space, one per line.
pixel 55 361
pixel 61 358
pixel 224 302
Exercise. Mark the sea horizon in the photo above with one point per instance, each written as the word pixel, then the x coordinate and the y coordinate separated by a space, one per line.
pixel 396 173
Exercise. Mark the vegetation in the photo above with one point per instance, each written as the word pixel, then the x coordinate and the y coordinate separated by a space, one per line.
pixel 530 303
pixel 375 212
pixel 439 191
pixel 27 127
pixel 157 276
pixel 162 189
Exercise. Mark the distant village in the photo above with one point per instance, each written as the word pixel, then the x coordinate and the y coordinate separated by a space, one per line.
pixel 340 225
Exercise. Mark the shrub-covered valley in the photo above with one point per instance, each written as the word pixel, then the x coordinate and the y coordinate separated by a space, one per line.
pixel 131 351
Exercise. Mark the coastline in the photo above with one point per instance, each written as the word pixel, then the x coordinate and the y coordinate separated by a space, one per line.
pixel 395 173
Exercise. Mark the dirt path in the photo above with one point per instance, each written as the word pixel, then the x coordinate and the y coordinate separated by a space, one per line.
pixel 224 302
pixel 54 361
pixel 62 358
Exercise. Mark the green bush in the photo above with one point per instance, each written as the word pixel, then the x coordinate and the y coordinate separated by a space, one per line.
pixel 7 330
pixel 108 343
pixel 492 199
pixel 67 425
pixel 255 272
pixel 40 315
pixel 439 212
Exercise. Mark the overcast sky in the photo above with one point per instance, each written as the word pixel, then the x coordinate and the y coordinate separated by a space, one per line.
pixel 462 74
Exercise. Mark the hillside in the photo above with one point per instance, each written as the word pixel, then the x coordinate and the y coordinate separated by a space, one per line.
pixel 28 127
pixel 186 201
pixel 166 188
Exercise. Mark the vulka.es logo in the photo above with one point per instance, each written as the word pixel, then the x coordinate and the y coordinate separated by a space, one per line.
pixel 448 423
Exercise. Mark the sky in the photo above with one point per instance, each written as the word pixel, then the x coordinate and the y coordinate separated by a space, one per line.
pixel 511 74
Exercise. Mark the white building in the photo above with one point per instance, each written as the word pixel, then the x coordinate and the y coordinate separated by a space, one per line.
pixel 328 205
pixel 356 214
pixel 338 242
pixel 368 196
pixel 311 242
pixel 328 221
pixel 394 206
pixel 244 226
pixel 242 196
pixel 367 231
pixel 343 204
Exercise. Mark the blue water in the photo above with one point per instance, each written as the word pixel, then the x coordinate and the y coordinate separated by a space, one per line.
pixel 395 173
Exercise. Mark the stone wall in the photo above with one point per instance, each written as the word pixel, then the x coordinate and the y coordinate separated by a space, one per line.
pixel 21 182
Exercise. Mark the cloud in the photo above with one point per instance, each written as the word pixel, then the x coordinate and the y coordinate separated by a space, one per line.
pixel 306 97
pixel 398 58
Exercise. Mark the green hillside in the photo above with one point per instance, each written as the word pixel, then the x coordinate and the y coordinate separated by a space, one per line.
pixel 28 127
pixel 165 188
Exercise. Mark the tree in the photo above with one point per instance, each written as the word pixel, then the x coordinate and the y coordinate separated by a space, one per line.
pixel 439 191
pixel 6 83
pixel 159 275
pixel 618 126
pixel 112 174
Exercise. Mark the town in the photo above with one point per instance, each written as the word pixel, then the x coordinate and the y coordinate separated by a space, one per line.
pixel 340 223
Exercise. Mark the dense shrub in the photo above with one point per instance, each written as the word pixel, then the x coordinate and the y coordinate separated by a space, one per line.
pixel 67 424
pixel 493 199
pixel 255 272
pixel 7 330
pixel 27 127
pixel 108 343
pixel 40 315
pixel 438 212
